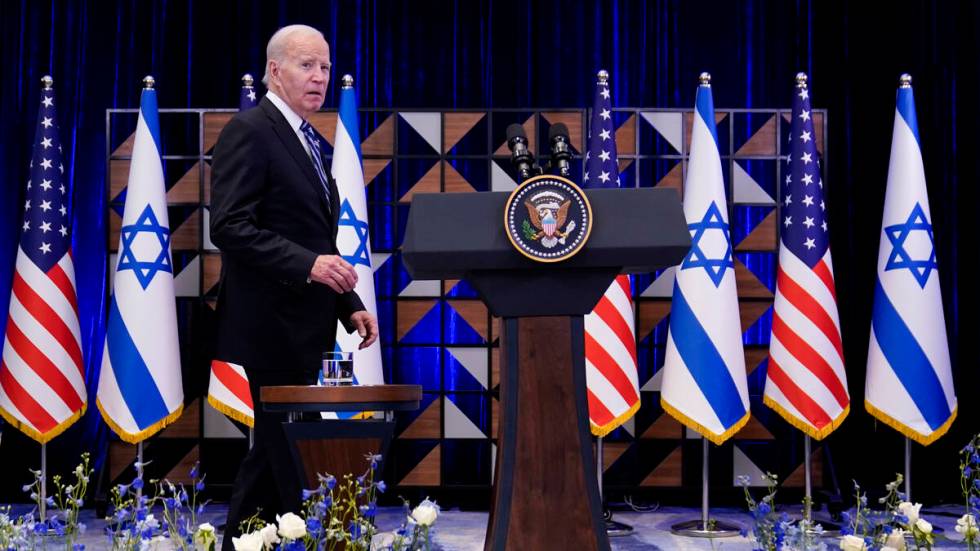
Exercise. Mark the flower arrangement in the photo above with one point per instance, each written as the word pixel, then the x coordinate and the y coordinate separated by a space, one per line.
pixel 27 532
pixel 340 515
pixel 776 532
pixel 970 488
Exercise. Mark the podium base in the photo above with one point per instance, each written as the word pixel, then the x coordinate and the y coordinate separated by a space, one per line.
pixel 697 529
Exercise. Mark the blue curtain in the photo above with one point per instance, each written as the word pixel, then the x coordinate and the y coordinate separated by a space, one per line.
pixel 510 53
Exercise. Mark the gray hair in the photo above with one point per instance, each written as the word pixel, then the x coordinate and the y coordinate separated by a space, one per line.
pixel 276 49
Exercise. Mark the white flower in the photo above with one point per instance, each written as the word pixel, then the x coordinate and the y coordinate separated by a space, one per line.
pixel 291 526
pixel 204 538
pixel 896 540
pixel 426 513
pixel 269 537
pixel 887 548
pixel 249 542
pixel 967 525
pixel 923 527
pixel 910 511
pixel 852 543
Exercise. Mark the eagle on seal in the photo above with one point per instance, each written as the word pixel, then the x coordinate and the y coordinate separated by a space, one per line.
pixel 549 224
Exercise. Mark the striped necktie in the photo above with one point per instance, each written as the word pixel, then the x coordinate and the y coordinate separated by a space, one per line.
pixel 314 144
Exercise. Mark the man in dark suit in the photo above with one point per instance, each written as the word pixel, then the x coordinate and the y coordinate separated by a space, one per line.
pixel 283 287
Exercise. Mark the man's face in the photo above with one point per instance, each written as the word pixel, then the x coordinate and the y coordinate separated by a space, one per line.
pixel 304 73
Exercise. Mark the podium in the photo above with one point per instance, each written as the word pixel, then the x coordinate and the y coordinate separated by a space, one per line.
pixel 338 446
pixel 545 493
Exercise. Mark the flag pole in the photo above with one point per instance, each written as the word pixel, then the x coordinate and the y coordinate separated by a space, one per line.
pixel 139 468
pixel 908 469
pixel 808 500
pixel 44 480
pixel 704 527
pixel 614 528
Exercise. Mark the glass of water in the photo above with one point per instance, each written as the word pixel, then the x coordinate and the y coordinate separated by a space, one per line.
pixel 338 369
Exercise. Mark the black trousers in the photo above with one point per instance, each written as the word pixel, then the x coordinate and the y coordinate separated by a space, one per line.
pixel 267 478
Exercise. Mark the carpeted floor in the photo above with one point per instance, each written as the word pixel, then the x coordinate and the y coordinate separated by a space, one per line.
pixel 464 531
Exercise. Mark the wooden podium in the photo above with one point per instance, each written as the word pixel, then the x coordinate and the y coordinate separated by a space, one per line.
pixel 338 446
pixel 545 493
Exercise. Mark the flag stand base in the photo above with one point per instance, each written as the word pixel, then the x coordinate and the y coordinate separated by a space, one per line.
pixel 700 529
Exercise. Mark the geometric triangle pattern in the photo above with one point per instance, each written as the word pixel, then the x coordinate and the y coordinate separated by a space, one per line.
pixel 667 473
pixel 427 471
pixel 746 189
pixel 457 425
pixel 439 334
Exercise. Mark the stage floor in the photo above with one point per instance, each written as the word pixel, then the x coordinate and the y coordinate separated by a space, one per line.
pixel 464 531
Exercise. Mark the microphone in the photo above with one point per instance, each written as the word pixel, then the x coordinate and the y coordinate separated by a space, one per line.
pixel 520 155
pixel 561 152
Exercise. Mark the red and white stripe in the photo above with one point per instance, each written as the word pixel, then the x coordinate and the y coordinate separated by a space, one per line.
pixel 228 392
pixel 610 359
pixel 805 381
pixel 42 376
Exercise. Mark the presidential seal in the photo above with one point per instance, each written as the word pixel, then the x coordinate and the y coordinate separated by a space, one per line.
pixel 548 218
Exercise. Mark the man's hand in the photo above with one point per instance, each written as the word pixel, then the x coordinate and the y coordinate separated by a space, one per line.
pixel 334 272
pixel 367 327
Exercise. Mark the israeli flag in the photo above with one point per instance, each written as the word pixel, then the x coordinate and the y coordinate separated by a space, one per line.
pixel 140 388
pixel 909 384
pixel 353 237
pixel 704 384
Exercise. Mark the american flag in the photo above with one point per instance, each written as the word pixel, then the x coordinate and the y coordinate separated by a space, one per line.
pixel 247 99
pixel 42 376
pixel 610 333
pixel 228 390
pixel 805 381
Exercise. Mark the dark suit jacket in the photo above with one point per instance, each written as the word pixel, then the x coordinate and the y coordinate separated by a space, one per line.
pixel 270 219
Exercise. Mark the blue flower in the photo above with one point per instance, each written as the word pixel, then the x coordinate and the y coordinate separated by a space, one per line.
pixel 194 469
pixel 313 525
pixel 976 483
pixel 369 510
pixel 170 503
pixel 381 486
pixel 330 482
pixel 887 528
pixel 967 472
pixel 307 494
pixel 50 501
pixel 974 458
pixel 26 487
pixel 137 483
pixel 199 486
pixel 764 508
pixel 122 489
pixel 355 530
pixel 78 547
pixel 360 481
pixel 79 502
pixel 846 530
pixel 968 449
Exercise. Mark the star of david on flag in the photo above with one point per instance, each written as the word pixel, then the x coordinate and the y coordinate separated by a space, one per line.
pixel 698 257
pixel 704 385
pixel 353 237
pixel 901 257
pixel 909 384
pixel 140 390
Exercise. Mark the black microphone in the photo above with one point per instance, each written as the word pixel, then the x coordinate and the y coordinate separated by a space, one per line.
pixel 561 152
pixel 520 155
